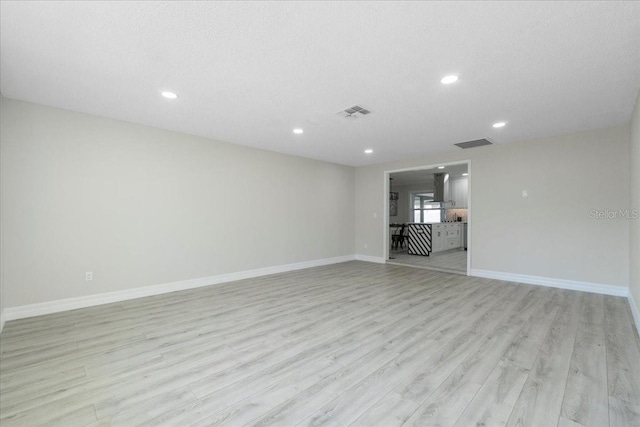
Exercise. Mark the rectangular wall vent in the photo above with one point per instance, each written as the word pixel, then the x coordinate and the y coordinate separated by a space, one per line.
pixel 354 112
pixel 474 143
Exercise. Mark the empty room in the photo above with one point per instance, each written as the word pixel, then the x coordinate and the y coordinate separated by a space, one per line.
pixel 319 213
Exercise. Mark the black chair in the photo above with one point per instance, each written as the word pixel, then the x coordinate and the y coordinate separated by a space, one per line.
pixel 397 238
pixel 405 237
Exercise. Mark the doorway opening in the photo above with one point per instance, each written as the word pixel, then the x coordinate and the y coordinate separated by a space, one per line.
pixel 428 217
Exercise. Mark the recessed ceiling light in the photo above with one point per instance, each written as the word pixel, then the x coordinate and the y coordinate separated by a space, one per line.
pixel 169 95
pixel 499 125
pixel 440 167
pixel 298 131
pixel 447 80
pixel 465 174
pixel 368 151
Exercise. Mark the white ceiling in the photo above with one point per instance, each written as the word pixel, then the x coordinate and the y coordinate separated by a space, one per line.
pixel 423 176
pixel 250 72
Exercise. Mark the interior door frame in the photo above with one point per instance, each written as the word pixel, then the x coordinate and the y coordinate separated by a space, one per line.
pixel 385 196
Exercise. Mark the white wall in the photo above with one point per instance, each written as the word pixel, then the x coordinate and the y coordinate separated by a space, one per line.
pixel 139 206
pixel 634 247
pixel 549 234
pixel 2 304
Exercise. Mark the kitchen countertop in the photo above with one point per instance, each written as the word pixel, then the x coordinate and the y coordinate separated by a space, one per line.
pixel 434 223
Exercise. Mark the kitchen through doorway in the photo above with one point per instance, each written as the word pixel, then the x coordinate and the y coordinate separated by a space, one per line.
pixel 427 217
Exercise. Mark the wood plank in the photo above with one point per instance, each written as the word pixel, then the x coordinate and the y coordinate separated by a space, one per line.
pixel 566 422
pixel 586 400
pixel 623 414
pixel 390 411
pixel 353 343
pixel 540 402
pixel 439 364
pixel 449 400
pixel 495 399
pixel 623 355
pixel 346 408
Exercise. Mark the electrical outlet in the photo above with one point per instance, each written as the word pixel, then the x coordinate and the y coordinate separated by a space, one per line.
pixel 375 214
pixel 525 193
pixel 88 276
pixel 366 246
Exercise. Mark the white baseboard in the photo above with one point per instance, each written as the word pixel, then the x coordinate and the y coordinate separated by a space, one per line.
pixel 635 311
pixel 369 258
pixel 31 310
pixel 595 288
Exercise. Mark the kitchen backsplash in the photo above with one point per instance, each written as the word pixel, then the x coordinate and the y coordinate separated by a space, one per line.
pixel 459 213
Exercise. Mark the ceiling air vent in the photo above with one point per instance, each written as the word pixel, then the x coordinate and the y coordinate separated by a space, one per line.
pixel 474 143
pixel 354 112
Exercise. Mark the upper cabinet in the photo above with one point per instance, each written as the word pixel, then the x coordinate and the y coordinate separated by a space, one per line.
pixel 459 190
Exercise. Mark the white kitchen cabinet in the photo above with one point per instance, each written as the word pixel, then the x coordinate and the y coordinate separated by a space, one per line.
pixel 459 189
pixel 446 236
pixel 453 236
pixel 438 237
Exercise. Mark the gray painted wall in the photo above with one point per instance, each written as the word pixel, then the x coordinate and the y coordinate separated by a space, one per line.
pixel 549 234
pixel 2 300
pixel 634 247
pixel 139 206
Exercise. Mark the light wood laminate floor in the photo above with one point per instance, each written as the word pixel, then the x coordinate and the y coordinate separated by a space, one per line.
pixel 451 261
pixel 352 344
